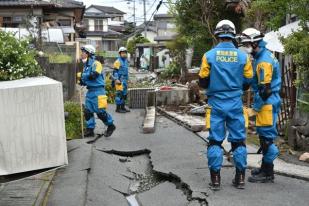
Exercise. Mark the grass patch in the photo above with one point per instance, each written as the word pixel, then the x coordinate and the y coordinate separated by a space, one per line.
pixel 73 121
pixel 59 58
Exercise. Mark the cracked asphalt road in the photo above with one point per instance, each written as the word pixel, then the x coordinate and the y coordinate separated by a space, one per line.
pixel 167 167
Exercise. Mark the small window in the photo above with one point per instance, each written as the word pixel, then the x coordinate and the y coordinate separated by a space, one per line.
pixel 8 22
pixel 98 24
pixel 7 19
pixel 17 19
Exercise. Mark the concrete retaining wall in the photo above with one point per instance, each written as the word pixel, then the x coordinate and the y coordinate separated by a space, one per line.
pixel 176 96
pixel 65 73
pixel 32 129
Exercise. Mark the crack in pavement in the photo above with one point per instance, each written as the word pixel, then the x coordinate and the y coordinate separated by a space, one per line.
pixel 170 177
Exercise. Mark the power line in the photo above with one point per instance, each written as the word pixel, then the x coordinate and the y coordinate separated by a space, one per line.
pixel 151 6
pixel 147 23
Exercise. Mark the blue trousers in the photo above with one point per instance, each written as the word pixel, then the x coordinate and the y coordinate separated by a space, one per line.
pixel 226 115
pixel 93 105
pixel 121 95
pixel 266 125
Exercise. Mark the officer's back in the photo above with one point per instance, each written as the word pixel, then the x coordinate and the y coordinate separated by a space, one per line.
pixel 227 65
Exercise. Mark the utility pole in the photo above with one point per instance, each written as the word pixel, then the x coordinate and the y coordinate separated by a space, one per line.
pixel 145 23
pixel 134 16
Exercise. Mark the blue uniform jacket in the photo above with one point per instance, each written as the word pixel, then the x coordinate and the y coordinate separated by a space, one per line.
pixel 92 75
pixel 228 69
pixel 266 71
pixel 121 69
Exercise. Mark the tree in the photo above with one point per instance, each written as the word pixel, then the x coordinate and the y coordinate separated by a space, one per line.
pixel 137 39
pixel 178 53
pixel 196 20
pixel 274 13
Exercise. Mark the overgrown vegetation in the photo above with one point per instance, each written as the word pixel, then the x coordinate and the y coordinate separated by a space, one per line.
pixel 172 71
pixel 59 58
pixel 73 121
pixel 196 20
pixel 178 54
pixel 17 60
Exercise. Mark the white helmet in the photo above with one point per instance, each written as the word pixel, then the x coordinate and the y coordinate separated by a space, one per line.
pixel 89 48
pixel 225 28
pixel 122 49
pixel 251 35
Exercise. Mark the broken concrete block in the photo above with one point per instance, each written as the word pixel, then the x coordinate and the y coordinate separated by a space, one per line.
pixel 191 122
pixel 149 121
pixel 176 96
pixel 304 157
pixel 32 129
pixel 163 194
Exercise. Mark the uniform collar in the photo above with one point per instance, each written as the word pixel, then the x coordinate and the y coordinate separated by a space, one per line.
pixel 225 45
pixel 90 61
pixel 123 59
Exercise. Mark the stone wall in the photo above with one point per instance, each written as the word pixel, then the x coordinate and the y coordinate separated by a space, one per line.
pixel 298 131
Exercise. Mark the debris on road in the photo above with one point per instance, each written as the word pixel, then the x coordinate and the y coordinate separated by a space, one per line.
pixel 304 157
pixel 149 121
pixel 193 123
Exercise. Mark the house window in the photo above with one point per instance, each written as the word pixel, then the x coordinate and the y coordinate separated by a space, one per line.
pixel 118 18
pixel 64 22
pixel 86 23
pixel 12 22
pixel 98 24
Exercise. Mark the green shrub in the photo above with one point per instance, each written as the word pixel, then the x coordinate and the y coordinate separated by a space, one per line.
pixel 59 58
pixel 171 71
pixel 110 91
pixel 73 121
pixel 107 54
pixel 17 60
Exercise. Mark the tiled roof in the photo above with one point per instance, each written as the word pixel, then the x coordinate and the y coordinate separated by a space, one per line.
pixel 108 9
pixel 36 3
pixel 109 33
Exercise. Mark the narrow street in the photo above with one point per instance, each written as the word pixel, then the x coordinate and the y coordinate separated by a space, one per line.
pixel 167 167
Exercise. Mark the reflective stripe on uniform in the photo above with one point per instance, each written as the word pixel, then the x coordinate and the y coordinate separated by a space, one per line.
pixel 205 68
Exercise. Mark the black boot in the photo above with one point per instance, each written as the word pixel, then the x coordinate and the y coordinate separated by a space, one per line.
pixel 119 109
pixel 257 171
pixel 110 130
pixel 239 180
pixel 266 174
pixel 215 180
pixel 123 107
pixel 89 132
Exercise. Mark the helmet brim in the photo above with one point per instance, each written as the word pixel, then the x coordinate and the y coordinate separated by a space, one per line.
pixel 226 36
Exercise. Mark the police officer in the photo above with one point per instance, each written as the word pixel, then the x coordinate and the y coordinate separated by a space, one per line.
pixel 121 76
pixel 96 100
pixel 266 87
pixel 225 72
